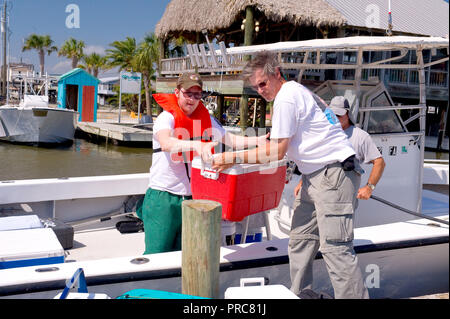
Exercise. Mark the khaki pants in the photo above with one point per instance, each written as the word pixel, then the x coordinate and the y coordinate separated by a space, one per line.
pixel 323 215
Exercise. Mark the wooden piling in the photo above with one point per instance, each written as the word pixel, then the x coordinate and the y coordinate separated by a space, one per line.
pixel 200 244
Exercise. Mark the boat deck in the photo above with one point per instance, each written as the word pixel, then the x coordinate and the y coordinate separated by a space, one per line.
pixel 101 239
pixel 114 262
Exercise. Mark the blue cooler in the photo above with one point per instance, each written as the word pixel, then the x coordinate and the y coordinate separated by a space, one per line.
pixel 29 247
pixel 155 294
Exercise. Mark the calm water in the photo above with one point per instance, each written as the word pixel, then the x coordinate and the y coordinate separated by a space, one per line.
pixel 82 158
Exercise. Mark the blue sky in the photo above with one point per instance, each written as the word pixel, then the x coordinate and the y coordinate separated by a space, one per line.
pixel 101 22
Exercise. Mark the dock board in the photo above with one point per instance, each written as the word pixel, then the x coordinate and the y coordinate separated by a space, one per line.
pixel 119 132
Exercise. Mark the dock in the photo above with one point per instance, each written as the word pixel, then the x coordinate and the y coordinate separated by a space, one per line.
pixel 115 132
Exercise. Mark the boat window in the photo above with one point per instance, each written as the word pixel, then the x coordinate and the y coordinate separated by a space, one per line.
pixel 383 121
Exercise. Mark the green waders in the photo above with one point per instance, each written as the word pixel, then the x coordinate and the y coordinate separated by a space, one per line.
pixel 161 214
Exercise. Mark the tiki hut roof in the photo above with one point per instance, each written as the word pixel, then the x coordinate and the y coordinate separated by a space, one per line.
pixel 196 15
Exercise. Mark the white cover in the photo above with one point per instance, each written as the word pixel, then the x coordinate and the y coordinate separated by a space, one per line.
pixel 20 222
pixel 347 43
pixel 34 101
pixel 29 244
pixel 258 292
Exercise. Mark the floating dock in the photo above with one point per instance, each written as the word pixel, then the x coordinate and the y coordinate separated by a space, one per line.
pixel 115 132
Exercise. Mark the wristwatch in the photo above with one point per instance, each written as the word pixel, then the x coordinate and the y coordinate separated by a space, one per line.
pixel 372 187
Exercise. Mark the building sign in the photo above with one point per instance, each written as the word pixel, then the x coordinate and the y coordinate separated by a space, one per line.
pixel 130 82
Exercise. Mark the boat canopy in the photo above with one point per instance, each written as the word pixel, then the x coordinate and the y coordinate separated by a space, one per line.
pixel 368 43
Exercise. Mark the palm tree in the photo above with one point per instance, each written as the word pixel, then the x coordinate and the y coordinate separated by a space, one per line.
pixel 72 49
pixel 122 54
pixel 43 44
pixel 93 63
pixel 146 61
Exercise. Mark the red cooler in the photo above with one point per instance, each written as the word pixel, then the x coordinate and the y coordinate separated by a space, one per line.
pixel 243 189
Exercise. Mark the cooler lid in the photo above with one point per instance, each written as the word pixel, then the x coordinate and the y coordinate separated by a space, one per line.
pixel 260 292
pixel 29 244
pixel 239 169
pixel 20 222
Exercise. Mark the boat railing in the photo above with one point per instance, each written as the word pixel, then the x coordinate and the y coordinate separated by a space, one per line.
pixel 392 107
pixel 404 121
pixel 434 78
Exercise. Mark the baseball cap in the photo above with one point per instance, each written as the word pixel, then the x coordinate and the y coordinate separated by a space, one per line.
pixel 190 79
pixel 340 106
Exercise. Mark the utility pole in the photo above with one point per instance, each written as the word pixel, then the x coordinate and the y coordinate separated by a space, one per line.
pixel 4 66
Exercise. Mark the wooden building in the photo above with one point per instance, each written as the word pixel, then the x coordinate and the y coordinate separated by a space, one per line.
pixel 252 22
pixel 77 90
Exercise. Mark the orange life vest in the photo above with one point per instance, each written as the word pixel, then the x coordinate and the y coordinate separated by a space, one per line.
pixel 197 126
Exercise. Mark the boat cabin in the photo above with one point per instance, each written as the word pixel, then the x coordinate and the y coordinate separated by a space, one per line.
pixel 77 90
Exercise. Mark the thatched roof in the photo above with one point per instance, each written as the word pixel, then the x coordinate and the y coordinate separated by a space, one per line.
pixel 196 15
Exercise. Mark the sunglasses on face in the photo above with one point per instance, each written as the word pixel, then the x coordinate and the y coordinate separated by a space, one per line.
pixel 261 85
pixel 192 95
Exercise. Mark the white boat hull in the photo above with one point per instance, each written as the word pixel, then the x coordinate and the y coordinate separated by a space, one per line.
pixel 405 258
pixel 397 270
pixel 37 125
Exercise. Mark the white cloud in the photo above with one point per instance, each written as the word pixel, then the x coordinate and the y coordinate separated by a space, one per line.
pixel 62 67
pixel 94 48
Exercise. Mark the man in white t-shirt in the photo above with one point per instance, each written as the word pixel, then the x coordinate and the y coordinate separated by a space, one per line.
pixel 366 150
pixel 181 130
pixel 323 211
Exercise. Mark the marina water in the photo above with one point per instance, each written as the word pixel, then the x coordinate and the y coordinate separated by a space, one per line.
pixel 82 158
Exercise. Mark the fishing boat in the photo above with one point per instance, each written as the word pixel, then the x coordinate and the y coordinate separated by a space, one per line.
pixel 33 121
pixel 401 238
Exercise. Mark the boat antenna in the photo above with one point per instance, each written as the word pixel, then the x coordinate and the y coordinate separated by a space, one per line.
pixel 390 26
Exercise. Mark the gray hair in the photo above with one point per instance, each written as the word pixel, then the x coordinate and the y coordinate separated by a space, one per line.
pixel 265 60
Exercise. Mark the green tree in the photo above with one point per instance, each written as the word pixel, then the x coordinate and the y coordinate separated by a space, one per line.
pixel 94 62
pixel 146 62
pixel 41 43
pixel 122 54
pixel 72 49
